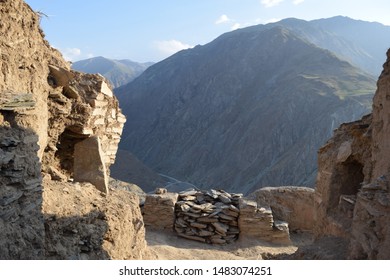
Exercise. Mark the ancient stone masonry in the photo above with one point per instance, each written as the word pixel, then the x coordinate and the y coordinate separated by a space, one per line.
pixel 214 217
pixel 47 112
pixel 255 222
pixel 159 209
pixel 81 106
pixel 209 216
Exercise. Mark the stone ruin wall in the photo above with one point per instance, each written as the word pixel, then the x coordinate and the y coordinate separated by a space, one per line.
pixel 46 112
pixel 24 60
pixel 352 197
pixel 213 217
pixel 81 106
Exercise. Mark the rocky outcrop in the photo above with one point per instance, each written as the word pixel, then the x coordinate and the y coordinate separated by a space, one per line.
pixel 47 112
pixel 352 195
pixel 295 205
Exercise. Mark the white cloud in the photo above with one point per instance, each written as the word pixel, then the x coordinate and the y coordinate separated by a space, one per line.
pixel 171 46
pixel 297 2
pixel 236 26
pixel 222 19
pixel 71 54
pixel 271 3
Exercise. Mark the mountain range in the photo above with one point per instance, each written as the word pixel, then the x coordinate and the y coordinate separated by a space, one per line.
pixel 361 43
pixel 118 72
pixel 248 110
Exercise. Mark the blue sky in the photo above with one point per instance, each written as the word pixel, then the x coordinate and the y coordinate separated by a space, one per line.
pixel 151 30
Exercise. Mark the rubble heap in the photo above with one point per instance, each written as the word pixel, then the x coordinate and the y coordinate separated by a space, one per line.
pixel 208 216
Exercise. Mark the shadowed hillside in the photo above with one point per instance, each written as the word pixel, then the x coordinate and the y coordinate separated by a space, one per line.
pixel 247 110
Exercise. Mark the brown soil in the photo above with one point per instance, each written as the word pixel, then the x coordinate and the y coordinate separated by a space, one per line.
pixel 165 245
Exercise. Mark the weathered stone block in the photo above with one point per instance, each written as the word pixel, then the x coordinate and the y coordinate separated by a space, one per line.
pixel 89 165
pixel 159 210
pixel 105 89
pixel 61 75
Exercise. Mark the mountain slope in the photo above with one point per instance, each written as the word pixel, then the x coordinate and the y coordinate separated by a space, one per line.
pixel 119 72
pixel 361 43
pixel 247 110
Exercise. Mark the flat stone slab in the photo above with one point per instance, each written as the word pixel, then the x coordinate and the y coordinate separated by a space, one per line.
pixel 89 165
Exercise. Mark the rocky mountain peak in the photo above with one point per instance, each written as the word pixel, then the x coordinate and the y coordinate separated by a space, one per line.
pixel 203 115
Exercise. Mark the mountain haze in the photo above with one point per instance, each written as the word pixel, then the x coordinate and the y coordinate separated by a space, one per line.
pixel 118 72
pixel 247 110
pixel 361 43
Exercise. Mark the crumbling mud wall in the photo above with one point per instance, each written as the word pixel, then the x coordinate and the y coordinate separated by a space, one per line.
pixel 352 198
pixel 344 166
pixel 295 205
pixel 80 224
pixel 81 106
pixel 46 112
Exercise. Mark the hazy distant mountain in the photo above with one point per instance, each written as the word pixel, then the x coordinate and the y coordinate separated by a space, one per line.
pixel 249 109
pixel 362 43
pixel 119 72
pixel 129 169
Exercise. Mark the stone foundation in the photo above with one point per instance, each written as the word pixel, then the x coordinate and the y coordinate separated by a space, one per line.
pixel 213 217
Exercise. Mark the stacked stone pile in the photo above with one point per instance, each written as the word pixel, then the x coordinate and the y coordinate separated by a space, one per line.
pixel 208 216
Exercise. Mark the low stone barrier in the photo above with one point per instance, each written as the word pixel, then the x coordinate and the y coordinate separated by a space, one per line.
pixel 159 210
pixel 213 217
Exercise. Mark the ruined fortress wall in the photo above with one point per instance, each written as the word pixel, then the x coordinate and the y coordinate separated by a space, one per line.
pixel 352 197
pixel 46 109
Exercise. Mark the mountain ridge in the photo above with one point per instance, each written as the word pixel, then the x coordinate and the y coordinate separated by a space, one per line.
pixel 187 114
pixel 118 71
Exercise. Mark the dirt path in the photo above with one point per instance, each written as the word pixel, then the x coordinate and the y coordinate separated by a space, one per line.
pixel 165 245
